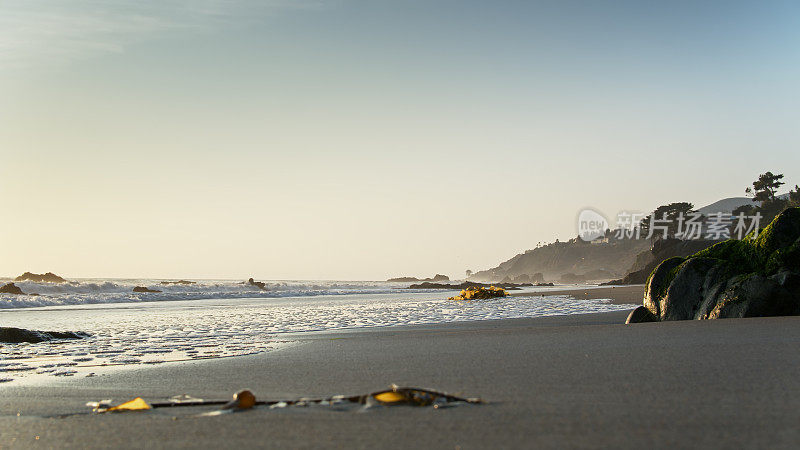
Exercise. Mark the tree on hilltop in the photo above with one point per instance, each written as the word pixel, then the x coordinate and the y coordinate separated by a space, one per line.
pixel 671 212
pixel 764 190
pixel 794 196
pixel 765 187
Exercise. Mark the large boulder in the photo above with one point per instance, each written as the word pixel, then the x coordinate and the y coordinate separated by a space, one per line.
pixel 755 277
pixel 641 314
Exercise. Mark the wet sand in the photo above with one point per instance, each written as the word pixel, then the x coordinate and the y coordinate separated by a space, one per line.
pixel 619 295
pixel 580 381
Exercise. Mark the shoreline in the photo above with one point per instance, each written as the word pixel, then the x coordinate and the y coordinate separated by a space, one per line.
pixel 631 294
pixel 284 340
pixel 113 347
pixel 584 380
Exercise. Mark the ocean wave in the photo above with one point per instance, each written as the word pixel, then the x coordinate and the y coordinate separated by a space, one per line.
pixel 121 291
pixel 127 337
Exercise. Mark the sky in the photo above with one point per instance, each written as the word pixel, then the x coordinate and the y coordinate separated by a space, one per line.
pixel 361 140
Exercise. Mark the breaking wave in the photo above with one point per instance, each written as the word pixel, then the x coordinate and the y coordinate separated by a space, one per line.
pixel 90 291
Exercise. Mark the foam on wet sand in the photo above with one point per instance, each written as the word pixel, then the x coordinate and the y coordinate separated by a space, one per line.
pixel 575 381
pixel 125 335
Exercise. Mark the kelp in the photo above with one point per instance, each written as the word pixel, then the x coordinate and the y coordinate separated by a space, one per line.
pixel 244 400
pixel 137 404
pixel 480 293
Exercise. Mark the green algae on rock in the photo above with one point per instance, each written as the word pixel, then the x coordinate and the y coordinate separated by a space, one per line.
pixel 754 277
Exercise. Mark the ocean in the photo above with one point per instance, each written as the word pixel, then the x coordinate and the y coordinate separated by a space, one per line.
pixel 224 318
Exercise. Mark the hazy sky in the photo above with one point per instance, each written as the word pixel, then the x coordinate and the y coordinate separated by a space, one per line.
pixel 367 139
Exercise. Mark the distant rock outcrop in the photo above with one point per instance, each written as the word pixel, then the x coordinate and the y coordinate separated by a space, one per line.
pixel 9 335
pixel 753 277
pixel 436 279
pixel 524 278
pixel 11 288
pixel 468 285
pixel 145 289
pixel 48 277
pixel 571 278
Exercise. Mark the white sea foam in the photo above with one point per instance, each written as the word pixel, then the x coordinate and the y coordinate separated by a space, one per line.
pixel 126 335
pixel 89 292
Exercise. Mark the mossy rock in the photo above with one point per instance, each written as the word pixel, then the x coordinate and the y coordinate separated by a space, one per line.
pixel 658 282
pixel 756 276
pixel 641 315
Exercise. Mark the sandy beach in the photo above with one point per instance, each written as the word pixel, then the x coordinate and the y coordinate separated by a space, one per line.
pixel 618 295
pixel 578 381
pixel 399 224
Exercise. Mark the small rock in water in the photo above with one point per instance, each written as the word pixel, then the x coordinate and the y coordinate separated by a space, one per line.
pixel 11 288
pixel 18 335
pixel 145 289
pixel 259 284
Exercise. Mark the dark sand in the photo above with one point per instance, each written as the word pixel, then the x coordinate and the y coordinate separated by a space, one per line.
pixel 582 381
pixel 619 295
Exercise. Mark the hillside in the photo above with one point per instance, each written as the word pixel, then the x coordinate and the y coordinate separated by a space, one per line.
pixel 595 262
pixel 576 261
pixel 726 205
